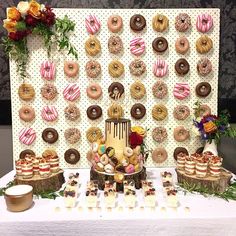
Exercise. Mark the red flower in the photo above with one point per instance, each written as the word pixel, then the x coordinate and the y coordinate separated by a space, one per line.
pixel 47 16
pixel 18 35
pixel 30 20
pixel 135 140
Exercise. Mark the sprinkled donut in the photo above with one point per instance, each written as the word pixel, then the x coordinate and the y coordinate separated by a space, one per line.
pixel 159 112
pixel 138 111
pixel 115 23
pixel 94 91
pixel 92 46
pixel 181 90
pixel 137 67
pixel 93 134
pixel 182 67
pixel 94 112
pixel 204 66
pixel 48 70
pixel 137 90
pixel 160 23
pixel 182 45
pixel 72 112
pixel 181 134
pixel 137 23
pixel 182 22
pixel 49 113
pixel 181 112
pixel 159 134
pixel 27 136
pixel 204 23
pixel 137 46
pixel 26 113
pixel 71 68
pixel 115 44
pixel 159 44
pixel 93 69
pixel 92 24
pixel 159 155
pixel 72 135
pixel 203 89
pixel 116 90
pixel 160 68
pixel 159 89
pixel 49 135
pixel 71 92
pixel 115 68
pixel 26 92
pixel 49 91
pixel 115 111
pixel 204 44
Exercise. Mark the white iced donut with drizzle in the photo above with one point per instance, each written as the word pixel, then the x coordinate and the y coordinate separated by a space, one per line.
pixel 204 23
pixel 27 136
pixel 92 24
pixel 48 70
pixel 49 113
pixel 137 46
pixel 160 68
pixel 71 92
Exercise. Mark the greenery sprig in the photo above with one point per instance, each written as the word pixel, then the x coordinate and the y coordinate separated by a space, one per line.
pixel 8 185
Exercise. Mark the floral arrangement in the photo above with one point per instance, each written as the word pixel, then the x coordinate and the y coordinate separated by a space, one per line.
pixel 32 18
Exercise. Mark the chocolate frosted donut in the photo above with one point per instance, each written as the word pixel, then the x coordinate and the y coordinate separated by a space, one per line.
pixel 203 89
pixel 138 111
pixel 181 134
pixel 116 90
pixel 50 135
pixel 181 112
pixel 204 66
pixel 25 153
pixel 72 156
pixel 137 22
pixel 180 151
pixel 182 22
pixel 182 67
pixel 159 155
pixel 160 44
pixel 94 112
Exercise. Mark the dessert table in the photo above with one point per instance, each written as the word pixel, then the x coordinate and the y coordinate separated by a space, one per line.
pixel 196 215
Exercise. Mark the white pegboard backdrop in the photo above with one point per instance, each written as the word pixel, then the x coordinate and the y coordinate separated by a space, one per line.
pixel 38 55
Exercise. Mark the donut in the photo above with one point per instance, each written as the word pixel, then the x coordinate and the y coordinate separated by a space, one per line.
pixel 181 134
pixel 160 23
pixel 101 149
pixel 115 44
pixel 182 45
pixel 181 112
pixel 137 23
pixel 159 155
pixel 120 168
pixel 26 113
pixel 92 24
pixel 110 151
pixel 115 111
pixel 159 112
pixel 137 90
pixel 204 110
pixel 204 44
pixel 92 46
pixel 48 153
pixel 182 22
pixel 48 70
pixel 199 150
pixel 159 89
pixel 72 112
pixel 116 90
pixel 204 23
pixel 128 152
pixel 133 160
pixel 71 92
pixel 72 156
pixel 138 111
pixel 72 135
pixel 129 169
pixel 49 135
pixel 159 134
pixel 95 146
pixel 160 68
pixel 71 68
pixel 204 66
pixel 99 167
pixel 27 136
pixel 94 112
pixel 182 67
pixel 104 159
pixel 49 113
pixel 49 91
pixel 181 90
pixel 26 92
pixel 115 68
pixel 93 134
pixel 113 161
pixel 109 168
pixel 94 91
pixel 203 89
pixel 93 69
pixel 25 153
pixel 137 67
pixel 137 46
pixel 159 44
pixel 115 23
pixel 180 151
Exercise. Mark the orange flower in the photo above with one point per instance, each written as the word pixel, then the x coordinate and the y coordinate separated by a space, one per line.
pixel 9 25
pixel 13 14
pixel 34 9
pixel 209 127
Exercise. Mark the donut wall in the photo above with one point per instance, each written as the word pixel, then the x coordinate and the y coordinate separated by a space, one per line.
pixel 172 79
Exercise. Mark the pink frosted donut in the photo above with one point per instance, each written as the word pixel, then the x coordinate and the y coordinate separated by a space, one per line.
pixel 71 92
pixel 27 136
pixel 92 24
pixel 129 169
pixel 204 23
pixel 137 46
pixel 49 113
pixel 160 68
pixel 48 70
pixel 115 23
pixel 94 91
pixel 181 90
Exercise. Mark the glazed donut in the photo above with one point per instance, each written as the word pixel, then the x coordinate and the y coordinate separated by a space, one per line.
pixel 72 135
pixel 92 24
pixel 138 111
pixel 92 46
pixel 48 153
pixel 116 90
pixel 128 152
pixel 116 68
pixel 181 112
pixel 93 134
pixel 49 91
pixel 71 92
pixel 159 44
pixel 182 22
pixel 180 151
pixel 137 22
pixel 204 66
pixel 93 69
pixel 181 134
pixel 25 153
pixel 72 156
pixel 204 23
pixel 104 159
pixel 71 68
pixel 115 44
pixel 160 68
pixel 49 113
pixel 48 70
pixel 26 92
pixel 159 134
pixel 27 113
pixel 203 89
pixel 94 91
pixel 72 112
pixel 49 135
pixel 94 112
pixel 114 23
pixel 137 46
pixel 27 136
pixel 182 67
pixel 137 67
pixel 204 44
pixel 159 112
pixel 204 110
pixel 159 89
pixel 159 155
pixel 115 111
pixel 160 23
pixel 137 90
pixel 181 90
pixel 182 45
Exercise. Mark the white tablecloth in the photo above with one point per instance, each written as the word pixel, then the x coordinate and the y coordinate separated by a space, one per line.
pixel 206 216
